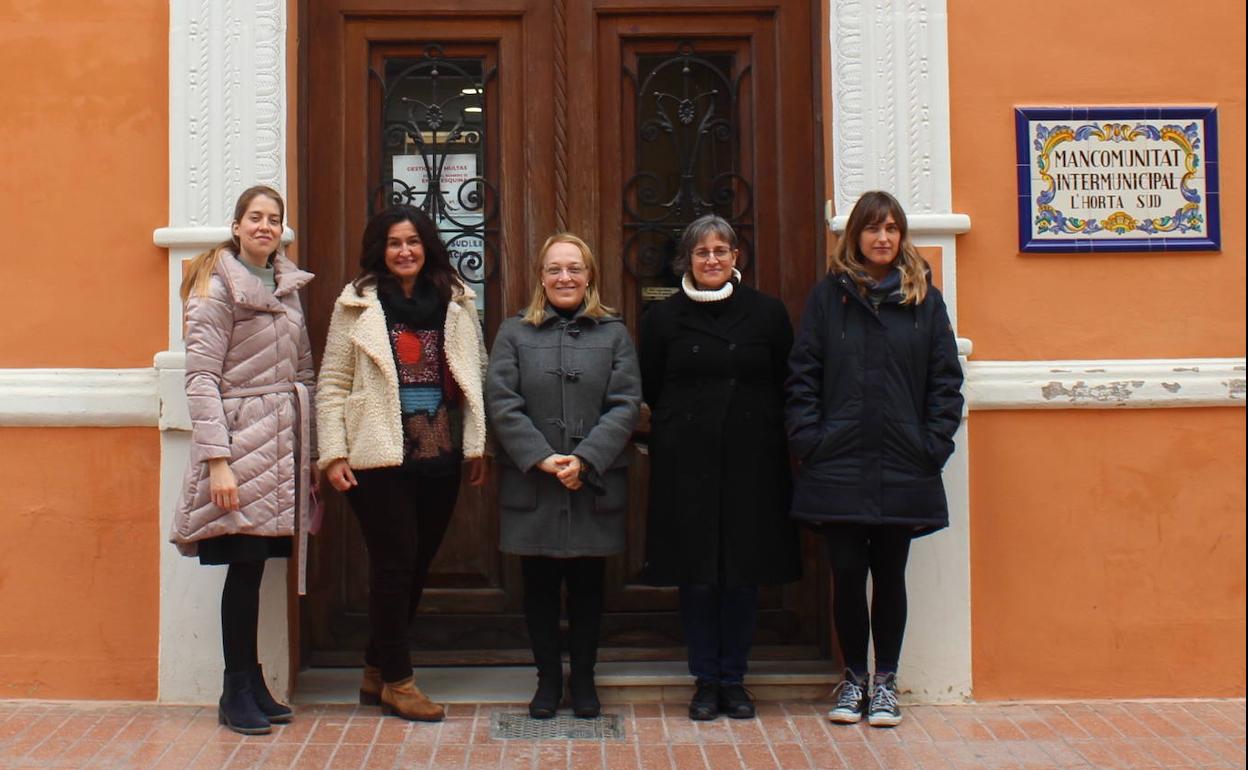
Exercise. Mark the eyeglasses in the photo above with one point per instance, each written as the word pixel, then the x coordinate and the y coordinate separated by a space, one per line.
pixel 703 255
pixel 575 271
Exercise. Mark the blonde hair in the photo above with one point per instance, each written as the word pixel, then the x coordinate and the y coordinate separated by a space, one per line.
pixel 873 208
pixel 536 311
pixel 198 276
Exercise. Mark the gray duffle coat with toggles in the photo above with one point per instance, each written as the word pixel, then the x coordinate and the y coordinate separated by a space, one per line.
pixel 565 386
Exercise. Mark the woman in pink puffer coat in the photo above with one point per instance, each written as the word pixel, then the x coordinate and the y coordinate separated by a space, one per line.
pixel 249 380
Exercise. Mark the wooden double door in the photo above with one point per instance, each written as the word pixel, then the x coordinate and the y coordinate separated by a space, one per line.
pixel 508 120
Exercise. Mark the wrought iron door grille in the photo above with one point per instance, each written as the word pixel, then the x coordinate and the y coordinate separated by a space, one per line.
pixel 433 154
pixel 687 151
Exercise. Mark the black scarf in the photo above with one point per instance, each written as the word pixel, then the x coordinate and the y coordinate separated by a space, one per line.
pixel 423 310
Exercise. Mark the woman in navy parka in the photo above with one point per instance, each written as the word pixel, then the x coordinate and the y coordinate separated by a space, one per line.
pixel 874 401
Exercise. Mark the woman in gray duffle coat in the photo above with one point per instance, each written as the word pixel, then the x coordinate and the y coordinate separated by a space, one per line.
pixel 563 394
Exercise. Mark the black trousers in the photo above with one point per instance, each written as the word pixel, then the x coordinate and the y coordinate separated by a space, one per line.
pixel 403 516
pixel 857 550
pixel 719 630
pixel 544 579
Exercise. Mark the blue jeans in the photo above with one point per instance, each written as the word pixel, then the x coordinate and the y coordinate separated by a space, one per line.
pixel 719 629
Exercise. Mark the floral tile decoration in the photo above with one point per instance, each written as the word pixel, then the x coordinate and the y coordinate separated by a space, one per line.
pixel 1094 179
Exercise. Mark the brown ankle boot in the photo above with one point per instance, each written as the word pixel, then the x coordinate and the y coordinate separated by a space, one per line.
pixel 404 699
pixel 370 686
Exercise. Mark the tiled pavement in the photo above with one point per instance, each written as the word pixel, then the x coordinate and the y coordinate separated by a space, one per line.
pixel 793 734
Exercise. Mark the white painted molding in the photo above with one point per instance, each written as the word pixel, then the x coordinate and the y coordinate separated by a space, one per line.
pixel 1140 384
pixel 78 397
pixel 921 225
pixel 890 102
pixel 197 237
pixel 156 397
pixel 227 131
pixel 227 104
pixel 171 391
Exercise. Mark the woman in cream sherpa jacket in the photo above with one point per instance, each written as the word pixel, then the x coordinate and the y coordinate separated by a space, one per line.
pixel 357 398
pixel 399 405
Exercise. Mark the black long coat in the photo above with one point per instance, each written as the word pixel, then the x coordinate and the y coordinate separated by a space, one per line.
pixel 874 401
pixel 719 466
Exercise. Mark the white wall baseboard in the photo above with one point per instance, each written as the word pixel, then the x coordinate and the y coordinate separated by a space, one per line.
pixel 153 396
pixel 78 397
pixel 1123 383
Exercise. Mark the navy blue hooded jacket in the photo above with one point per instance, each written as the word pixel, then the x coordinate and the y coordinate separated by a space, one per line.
pixel 874 399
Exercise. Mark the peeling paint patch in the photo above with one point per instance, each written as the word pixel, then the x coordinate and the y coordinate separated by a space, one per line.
pixel 1121 390
pixel 1235 389
pixel 1173 387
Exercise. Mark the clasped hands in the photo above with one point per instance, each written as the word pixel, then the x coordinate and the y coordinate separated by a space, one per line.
pixel 566 468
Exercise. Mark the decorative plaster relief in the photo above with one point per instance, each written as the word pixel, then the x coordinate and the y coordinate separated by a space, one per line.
pixel 890 96
pixel 227 105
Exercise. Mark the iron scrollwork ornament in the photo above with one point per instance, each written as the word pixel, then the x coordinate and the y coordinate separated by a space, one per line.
pixel 464 209
pixel 697 125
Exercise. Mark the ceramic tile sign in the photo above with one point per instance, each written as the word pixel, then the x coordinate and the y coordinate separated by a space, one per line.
pixel 1117 179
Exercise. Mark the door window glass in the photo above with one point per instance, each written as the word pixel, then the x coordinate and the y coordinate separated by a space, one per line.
pixel 433 140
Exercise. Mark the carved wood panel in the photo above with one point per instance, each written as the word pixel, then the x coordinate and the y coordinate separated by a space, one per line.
pixel 561 139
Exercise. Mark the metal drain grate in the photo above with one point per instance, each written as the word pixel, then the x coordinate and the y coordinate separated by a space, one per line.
pixel 519 726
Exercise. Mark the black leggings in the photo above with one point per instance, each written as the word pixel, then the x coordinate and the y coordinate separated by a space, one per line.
pixel 544 578
pixel 240 614
pixel 856 550
pixel 403 516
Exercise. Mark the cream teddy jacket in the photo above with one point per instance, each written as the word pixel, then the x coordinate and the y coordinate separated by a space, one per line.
pixel 357 393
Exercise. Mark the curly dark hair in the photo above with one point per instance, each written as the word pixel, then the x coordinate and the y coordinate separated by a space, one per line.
pixel 437 270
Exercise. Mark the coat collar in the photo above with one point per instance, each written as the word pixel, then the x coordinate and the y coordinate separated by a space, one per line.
pixel 461 295
pixel 552 315
pixel 248 291
pixel 369 332
pixel 736 310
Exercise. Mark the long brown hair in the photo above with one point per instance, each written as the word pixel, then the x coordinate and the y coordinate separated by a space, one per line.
pixel 199 273
pixel 873 208
pixel 594 308
pixel 437 270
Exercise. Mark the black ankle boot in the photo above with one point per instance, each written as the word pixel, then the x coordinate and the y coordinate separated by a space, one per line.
pixel 276 712
pixel 735 701
pixel 705 703
pixel 545 701
pixel 585 703
pixel 237 708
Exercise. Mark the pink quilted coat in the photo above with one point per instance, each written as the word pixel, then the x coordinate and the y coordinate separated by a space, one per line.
pixel 248 371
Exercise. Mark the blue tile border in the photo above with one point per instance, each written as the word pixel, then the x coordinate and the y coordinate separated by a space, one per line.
pixel 1023 116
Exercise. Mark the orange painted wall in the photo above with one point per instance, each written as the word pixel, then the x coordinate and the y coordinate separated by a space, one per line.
pixel 79 565
pixel 84 148
pixel 1107 547
pixel 1108 553
pixel 1003 55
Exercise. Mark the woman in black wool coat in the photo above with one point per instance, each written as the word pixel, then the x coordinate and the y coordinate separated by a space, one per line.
pixel 874 402
pixel 713 366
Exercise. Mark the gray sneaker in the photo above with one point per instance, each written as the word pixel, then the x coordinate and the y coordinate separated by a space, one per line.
pixel 851 700
pixel 884 711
